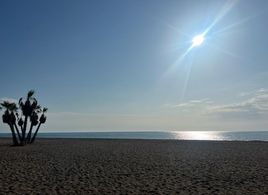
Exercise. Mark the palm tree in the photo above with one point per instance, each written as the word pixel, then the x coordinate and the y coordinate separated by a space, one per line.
pixel 34 122
pixel 27 110
pixel 42 120
pixel 8 118
pixel 13 108
pixel 20 123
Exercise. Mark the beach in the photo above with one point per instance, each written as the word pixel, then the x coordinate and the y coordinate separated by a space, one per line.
pixel 122 166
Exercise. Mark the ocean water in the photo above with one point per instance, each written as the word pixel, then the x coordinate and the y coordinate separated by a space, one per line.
pixel 178 135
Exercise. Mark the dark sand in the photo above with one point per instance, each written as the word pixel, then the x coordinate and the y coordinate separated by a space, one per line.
pixel 92 166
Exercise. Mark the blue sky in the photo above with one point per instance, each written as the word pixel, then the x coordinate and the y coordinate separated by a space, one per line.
pixel 122 65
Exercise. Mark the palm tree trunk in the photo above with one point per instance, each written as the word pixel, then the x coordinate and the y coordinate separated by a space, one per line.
pixel 36 131
pixel 21 130
pixel 30 134
pixel 17 131
pixel 15 141
pixel 23 141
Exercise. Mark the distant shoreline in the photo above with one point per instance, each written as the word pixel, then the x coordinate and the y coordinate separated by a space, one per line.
pixel 103 139
pixel 161 135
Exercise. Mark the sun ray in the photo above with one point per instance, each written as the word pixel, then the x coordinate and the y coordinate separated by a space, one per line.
pixel 173 49
pixel 186 81
pixel 175 46
pixel 177 30
pixel 235 24
pixel 199 39
pixel 178 61
pixel 226 8
pixel 226 52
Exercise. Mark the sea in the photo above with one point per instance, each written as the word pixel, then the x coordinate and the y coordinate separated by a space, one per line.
pixel 174 135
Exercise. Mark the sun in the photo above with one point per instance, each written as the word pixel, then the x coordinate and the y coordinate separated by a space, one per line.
pixel 198 40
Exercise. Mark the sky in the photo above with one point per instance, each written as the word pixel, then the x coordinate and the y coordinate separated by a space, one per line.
pixel 130 65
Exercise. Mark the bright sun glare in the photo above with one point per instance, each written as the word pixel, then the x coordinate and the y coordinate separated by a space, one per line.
pixel 198 40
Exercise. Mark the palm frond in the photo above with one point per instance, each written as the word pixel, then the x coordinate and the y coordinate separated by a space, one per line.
pixel 13 107
pixel 38 109
pixel 6 104
pixel 30 94
pixel 20 103
pixel 45 109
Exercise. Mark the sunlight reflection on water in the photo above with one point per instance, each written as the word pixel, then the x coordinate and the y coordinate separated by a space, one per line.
pixel 198 135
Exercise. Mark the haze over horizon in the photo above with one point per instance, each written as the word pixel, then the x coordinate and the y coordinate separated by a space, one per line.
pixel 132 66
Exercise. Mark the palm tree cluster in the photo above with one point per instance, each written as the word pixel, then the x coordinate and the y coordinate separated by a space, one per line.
pixel 30 110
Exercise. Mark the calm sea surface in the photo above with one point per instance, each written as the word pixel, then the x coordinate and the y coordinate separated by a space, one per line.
pixel 180 135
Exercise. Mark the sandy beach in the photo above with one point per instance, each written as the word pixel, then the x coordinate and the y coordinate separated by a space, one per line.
pixel 99 166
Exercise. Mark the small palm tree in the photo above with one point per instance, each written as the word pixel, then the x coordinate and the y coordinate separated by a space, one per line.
pixel 8 118
pixel 13 109
pixel 42 120
pixel 34 122
pixel 27 110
